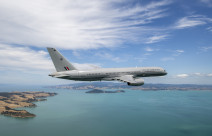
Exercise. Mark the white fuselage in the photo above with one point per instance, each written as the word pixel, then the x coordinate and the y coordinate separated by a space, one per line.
pixel 109 73
pixel 66 70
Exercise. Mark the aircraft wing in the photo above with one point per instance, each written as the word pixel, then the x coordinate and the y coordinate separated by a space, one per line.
pixel 129 79
pixel 126 78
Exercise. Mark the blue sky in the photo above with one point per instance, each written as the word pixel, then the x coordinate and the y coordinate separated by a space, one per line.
pixel 173 34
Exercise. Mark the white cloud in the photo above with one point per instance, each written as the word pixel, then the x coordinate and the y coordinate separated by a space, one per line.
pixel 182 75
pixel 177 52
pixel 205 48
pixel 207 2
pixel 209 29
pixel 201 75
pixel 194 75
pixel 197 74
pixel 210 75
pixel 24 59
pixel 108 56
pixel 76 53
pixel 149 49
pixel 191 21
pixel 77 24
pixel 156 38
pixel 180 51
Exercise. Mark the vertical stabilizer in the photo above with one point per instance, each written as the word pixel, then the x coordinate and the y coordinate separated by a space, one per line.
pixel 60 62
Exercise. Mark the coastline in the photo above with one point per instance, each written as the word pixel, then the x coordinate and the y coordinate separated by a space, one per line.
pixel 11 100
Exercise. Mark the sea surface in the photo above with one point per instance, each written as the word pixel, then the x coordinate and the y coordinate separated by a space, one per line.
pixel 133 113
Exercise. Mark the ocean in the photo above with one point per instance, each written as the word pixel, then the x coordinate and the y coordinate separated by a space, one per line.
pixel 133 113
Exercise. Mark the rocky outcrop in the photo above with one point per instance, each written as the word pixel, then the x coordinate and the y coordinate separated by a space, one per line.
pixel 11 100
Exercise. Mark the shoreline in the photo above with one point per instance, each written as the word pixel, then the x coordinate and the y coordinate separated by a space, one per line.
pixel 11 100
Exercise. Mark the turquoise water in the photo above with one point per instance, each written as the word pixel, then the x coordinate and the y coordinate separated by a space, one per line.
pixel 133 113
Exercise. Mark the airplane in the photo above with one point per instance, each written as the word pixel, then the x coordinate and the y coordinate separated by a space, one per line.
pixel 131 76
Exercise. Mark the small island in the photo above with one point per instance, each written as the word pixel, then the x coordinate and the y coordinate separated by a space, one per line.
pixel 101 91
pixel 11 100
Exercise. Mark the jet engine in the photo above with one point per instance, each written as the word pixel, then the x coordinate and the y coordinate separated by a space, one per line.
pixel 137 82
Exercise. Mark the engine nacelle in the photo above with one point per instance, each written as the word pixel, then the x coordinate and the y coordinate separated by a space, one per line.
pixel 138 81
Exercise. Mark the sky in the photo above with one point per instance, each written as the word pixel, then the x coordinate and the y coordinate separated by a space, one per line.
pixel 173 34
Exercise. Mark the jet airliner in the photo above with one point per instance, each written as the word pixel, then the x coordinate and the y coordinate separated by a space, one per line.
pixel 131 76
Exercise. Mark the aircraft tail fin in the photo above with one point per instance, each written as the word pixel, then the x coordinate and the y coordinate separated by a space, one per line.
pixel 60 62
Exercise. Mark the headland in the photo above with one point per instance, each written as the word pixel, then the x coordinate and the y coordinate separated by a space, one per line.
pixel 11 100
